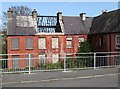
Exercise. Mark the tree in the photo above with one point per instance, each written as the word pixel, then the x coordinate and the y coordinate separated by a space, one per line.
pixel 17 10
pixel 85 46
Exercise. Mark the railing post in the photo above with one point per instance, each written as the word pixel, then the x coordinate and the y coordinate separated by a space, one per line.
pixel 94 60
pixel 64 62
pixel 29 63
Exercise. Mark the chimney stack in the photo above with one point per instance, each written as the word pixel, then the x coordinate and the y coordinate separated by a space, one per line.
pixel 104 11
pixel 59 15
pixel 34 15
pixel 10 21
pixel 83 16
pixel 10 13
pixel 60 20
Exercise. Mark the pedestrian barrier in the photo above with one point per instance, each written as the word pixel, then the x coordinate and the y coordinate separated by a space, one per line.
pixel 27 63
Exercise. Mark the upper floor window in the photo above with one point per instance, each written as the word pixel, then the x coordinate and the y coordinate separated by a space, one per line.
pixel 54 42
pixel 69 42
pixel 80 40
pixel 15 43
pixel 29 43
pixel 42 43
pixel 117 41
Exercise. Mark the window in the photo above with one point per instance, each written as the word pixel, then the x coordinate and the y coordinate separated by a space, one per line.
pixel 81 39
pixel 42 43
pixel 29 43
pixel 15 43
pixel 69 42
pixel 101 41
pixel 117 41
pixel 42 58
pixel 15 61
pixel 54 42
pixel 55 58
pixel 31 59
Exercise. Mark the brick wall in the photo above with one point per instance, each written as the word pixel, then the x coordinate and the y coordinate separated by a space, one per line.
pixel 49 50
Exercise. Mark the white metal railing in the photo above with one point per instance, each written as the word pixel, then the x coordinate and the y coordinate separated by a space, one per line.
pixel 64 62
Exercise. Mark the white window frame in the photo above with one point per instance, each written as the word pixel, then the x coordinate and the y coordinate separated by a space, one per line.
pixel 55 46
pixel 40 46
pixel 55 59
pixel 81 40
pixel 43 59
pixel 69 39
pixel 117 42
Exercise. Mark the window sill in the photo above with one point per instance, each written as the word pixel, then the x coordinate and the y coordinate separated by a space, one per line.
pixel 43 49
pixel 14 49
pixel 69 47
pixel 29 48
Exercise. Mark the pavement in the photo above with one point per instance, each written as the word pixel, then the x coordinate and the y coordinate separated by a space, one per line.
pixel 58 75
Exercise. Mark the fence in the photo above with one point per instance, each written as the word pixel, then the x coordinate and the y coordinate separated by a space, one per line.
pixel 21 63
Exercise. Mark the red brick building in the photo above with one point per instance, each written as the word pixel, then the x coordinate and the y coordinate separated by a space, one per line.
pixel 44 36
pixel 51 36
pixel 105 32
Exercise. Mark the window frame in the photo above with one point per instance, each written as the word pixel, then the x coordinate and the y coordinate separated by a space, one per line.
pixel 67 40
pixel 32 43
pixel 117 41
pixel 101 40
pixel 12 47
pixel 44 43
pixel 57 43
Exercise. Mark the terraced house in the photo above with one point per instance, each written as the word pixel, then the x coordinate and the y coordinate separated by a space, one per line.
pixel 51 36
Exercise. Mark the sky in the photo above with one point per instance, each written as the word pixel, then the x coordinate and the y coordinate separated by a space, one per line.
pixel 67 8
pixel 74 8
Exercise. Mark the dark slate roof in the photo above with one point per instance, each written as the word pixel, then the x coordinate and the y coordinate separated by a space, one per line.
pixel 106 23
pixel 25 31
pixel 15 30
pixel 75 25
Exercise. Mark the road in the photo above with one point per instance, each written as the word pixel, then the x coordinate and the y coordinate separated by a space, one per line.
pixel 107 77
pixel 104 81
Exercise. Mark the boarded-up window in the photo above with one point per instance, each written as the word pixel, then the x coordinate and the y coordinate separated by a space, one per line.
pixel 117 41
pixel 42 58
pixel 15 43
pixel 31 59
pixel 15 61
pixel 55 58
pixel 69 42
pixel 29 43
pixel 54 42
pixel 42 43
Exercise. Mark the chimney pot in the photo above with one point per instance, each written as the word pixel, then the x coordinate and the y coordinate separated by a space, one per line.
pixel 10 13
pixel 83 16
pixel 59 15
pixel 34 14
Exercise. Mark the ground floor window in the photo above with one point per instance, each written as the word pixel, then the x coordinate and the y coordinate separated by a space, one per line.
pixel 55 58
pixel 15 61
pixel 42 58
pixel 31 59
pixel 117 41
